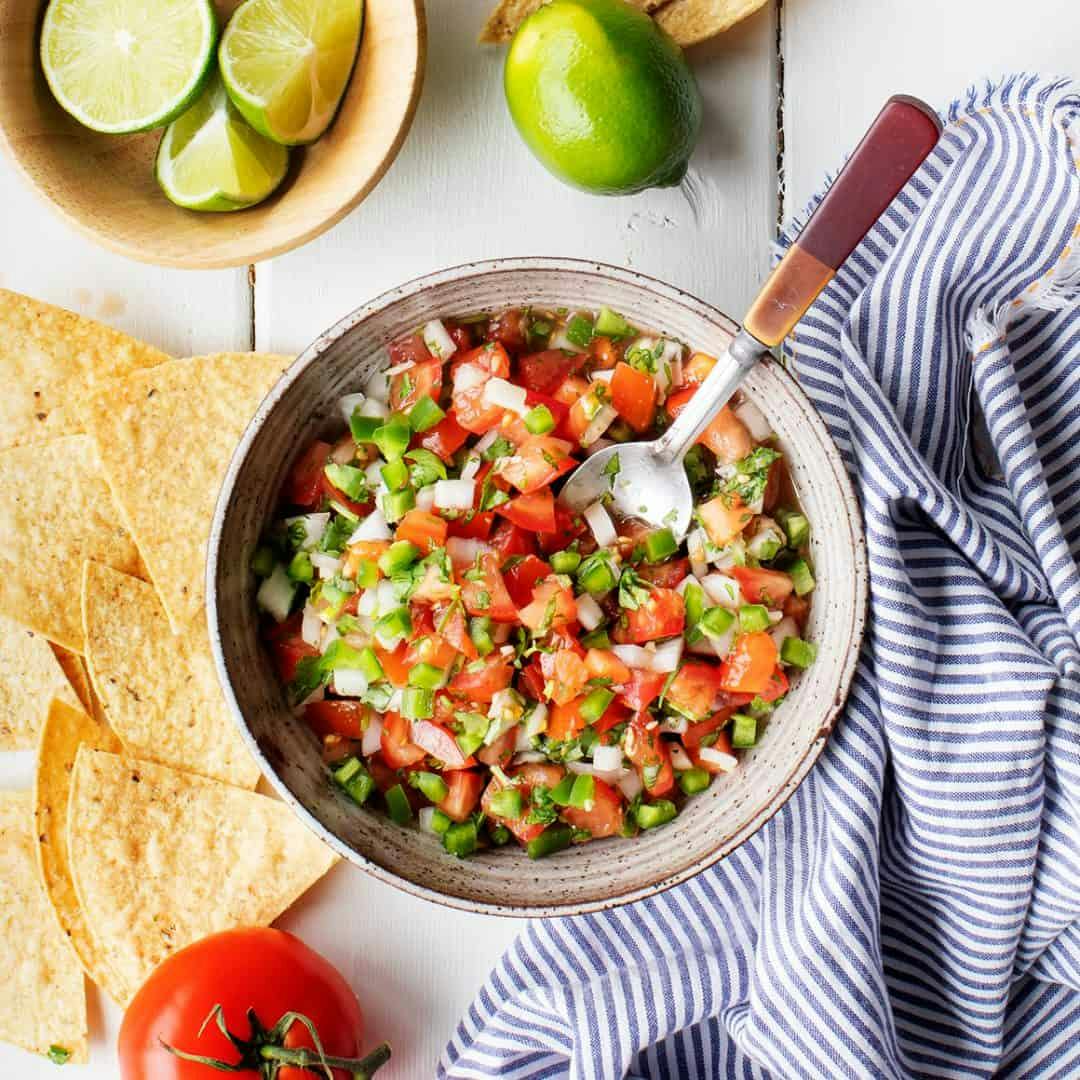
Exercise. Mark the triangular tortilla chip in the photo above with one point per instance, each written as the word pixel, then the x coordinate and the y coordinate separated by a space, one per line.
pixel 166 436
pixel 510 14
pixel 692 21
pixel 55 513
pixel 162 858
pixel 41 983
pixel 63 731
pixel 29 675
pixel 75 669
pixel 50 358
pixel 159 689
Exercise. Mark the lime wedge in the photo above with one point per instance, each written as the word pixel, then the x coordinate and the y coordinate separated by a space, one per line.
pixel 119 66
pixel 211 159
pixel 286 63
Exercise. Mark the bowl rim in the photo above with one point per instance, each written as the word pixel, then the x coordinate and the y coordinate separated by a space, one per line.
pixel 259 253
pixel 310 356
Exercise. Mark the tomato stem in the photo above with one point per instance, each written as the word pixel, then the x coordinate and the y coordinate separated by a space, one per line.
pixel 361 1068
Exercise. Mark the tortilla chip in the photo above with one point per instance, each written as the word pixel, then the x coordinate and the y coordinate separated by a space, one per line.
pixel 29 676
pixel 692 21
pixel 75 669
pixel 50 358
pixel 41 984
pixel 162 858
pixel 63 731
pixel 55 513
pixel 159 690
pixel 510 14
pixel 166 436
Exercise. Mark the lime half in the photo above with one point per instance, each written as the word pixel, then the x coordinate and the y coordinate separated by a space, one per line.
pixel 286 63
pixel 212 159
pixel 119 66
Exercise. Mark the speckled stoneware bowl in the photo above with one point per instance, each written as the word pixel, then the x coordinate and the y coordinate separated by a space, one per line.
pixel 505 881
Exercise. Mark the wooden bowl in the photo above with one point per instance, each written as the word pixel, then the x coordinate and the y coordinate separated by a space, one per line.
pixel 105 186
pixel 590 876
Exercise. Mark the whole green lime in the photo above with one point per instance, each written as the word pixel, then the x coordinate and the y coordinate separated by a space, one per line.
pixel 602 96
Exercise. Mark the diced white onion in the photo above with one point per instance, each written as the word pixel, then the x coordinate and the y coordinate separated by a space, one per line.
pixel 722 590
pixel 698 552
pixel 607 758
pixel 487 441
pixel 754 419
pixel 667 656
pixel 723 761
pixel 529 757
pixel 426 818
pixel 327 565
pixel 375 407
pixel 343 452
pixel 373 473
pixel 314 527
pixel 679 757
pixel 464 552
pixel 425 497
pixel 785 628
pixel 523 742
pixel 599 521
pixel 373 527
pixel 678 724
pixel 669 367
pixel 633 656
pixel 387 595
pixel 722 644
pixel 372 741
pixel 538 721
pixel 600 444
pixel 602 376
pixel 368 604
pixel 471 467
pixel 350 403
pixel 394 704
pixel 400 369
pixel 469 377
pixel 454 494
pixel 311 628
pixel 378 388
pixel 330 635
pixel 350 682
pixel 559 340
pixel 440 344
pixel 776 617
pixel 589 612
pixel 604 418
pixel 630 785
pixel 276 593
pixel 506 395
pixel 733 554
pixel 705 647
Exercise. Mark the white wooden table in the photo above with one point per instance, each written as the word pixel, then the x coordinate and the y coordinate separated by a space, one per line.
pixel 465 188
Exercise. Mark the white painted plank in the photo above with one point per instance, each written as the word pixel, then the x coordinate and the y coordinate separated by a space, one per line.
pixel 843 58
pixel 183 313
pixel 465 188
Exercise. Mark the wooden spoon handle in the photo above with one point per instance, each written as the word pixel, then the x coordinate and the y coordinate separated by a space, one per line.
pixel 898 142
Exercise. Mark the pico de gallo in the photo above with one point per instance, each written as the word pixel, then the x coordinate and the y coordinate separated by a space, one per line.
pixel 474 656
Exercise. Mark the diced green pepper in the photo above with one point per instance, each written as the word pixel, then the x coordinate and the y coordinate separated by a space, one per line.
pixel 392 437
pixel 440 822
pixel 397 805
pixel 507 803
pixel 553 838
pixel 659 545
pixel 397 557
pixel 596 575
pixel 425 414
pixel 480 634
pixel 597 639
pixel 694 599
pixel 369 665
pixel 694 780
pixel 660 812
pixel 367 574
pixel 539 420
pixel 396 504
pixel 426 676
pixel 796 527
pixel 340 508
pixel 474 728
pixel 300 568
pixel 611 324
pixel 431 785
pixel 798 653
pixel 802 577
pixel 579 330
pixel 417 703
pixel 348 479
pixel 500 834
pixel 562 562
pixel 583 792
pixel 743 731
pixel 351 776
pixel 753 618
pixel 395 475
pixel 715 622
pixel 560 793
pixel 262 562
pixel 426 467
pixel 363 428
pixel 460 839
pixel 393 625
pixel 594 706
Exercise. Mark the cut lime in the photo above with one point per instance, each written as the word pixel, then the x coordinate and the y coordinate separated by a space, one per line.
pixel 211 158
pixel 286 63
pixel 119 66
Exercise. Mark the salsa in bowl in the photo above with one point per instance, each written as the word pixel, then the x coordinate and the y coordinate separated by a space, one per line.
pixel 570 654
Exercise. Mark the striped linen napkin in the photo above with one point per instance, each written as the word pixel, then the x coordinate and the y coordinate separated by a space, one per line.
pixel 914 910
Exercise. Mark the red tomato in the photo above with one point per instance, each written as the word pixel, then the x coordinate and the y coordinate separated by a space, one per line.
pixel 615 713
pixel 604 353
pixel 603 818
pixel 462 335
pixel 568 528
pixel 474 526
pixel 697 368
pixel 532 679
pixel 692 736
pixel 364 551
pixel 393 664
pixel 726 436
pixel 429 648
pixel 304 484
pixel 749 667
pixel 445 439
pixel 604 664
pixel 667 575
pixel 522 575
pixel 423 380
pixel 450 621
pixel 583 411
pixel 508 540
pixel 797 608
pixel 406 349
pixel 565 676
pixel 465 788
pixel 696 689
pixel 768 587
pixel 570 390
pixel 438 742
pixel 492 674
pixel 535 512
pixel 422 528
pixel 557 409
pixel 644 747
pixel 777 686
pixel 662 615
pixel 488 595
pixel 519 826
pixel 267 971
pixel 337 718
pixel 501 750
pixel 398 750
pixel 540 460
pixel 722 744
pixel 288 647
pixel 553 605
pixel 633 393
pixel 642 688
pixel 471 374
pixel 508 329
pixel 544 372
pixel 724 518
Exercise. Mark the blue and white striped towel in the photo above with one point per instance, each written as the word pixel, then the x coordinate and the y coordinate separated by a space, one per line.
pixel 914 910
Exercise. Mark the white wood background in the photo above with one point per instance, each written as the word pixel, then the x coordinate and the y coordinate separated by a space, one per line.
pixel 464 188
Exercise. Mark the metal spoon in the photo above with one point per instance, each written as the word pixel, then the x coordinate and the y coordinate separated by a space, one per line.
pixel 646 480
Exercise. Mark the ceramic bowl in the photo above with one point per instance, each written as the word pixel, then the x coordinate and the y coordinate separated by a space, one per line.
pixel 104 185
pixel 599 874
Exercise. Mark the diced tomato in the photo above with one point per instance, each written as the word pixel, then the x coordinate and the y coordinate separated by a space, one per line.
pixel 695 690
pixel 288 646
pixel 697 368
pixel 692 736
pixel 768 587
pixel 642 688
pixel 570 390
pixel 774 485
pixel 565 676
pixel 474 526
pixel 565 720
pixel 492 674
pixel 557 409
pixel 304 484
pixel 328 717
pixel 394 665
pixel 749 667
pixel 521 575
pixel 776 687
pixel 797 608
pixel 508 539
pixel 535 512
pixel 509 329
pixel 465 790
pixel 633 393
pixel 552 605
pixel 726 436
pixel 604 664
pixel 461 333
pixel 385 777
pixel 569 527
pixel 584 410
pixel 502 749
pixel 540 460
pixel 603 818
pixel 422 528
pixel 668 574
pixel 445 439
pixel 724 518
pixel 544 372
pixel 521 827
pixel 491 358
pixel 662 615
pixel 363 551
pixel 649 753
pixel 423 380
pixel 411 349
pixel 722 745
pixel 532 679
pixel 471 374
pixel 438 742
pixel 429 648
pixel 398 750
pixel 615 713
pixel 488 595
pixel 604 354
pixel 449 621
